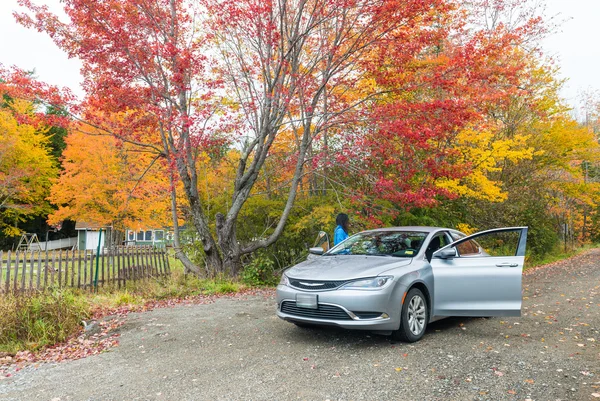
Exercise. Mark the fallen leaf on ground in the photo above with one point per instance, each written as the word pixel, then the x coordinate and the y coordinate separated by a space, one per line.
pixel 82 344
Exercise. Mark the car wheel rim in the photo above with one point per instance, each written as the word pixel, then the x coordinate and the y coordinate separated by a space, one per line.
pixel 416 315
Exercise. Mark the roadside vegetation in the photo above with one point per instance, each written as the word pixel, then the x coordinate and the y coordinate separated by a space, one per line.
pixel 557 254
pixel 37 321
pixel 33 322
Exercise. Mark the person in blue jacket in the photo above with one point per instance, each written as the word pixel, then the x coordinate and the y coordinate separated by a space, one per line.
pixel 341 231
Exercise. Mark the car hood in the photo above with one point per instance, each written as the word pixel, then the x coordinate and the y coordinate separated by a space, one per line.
pixel 345 267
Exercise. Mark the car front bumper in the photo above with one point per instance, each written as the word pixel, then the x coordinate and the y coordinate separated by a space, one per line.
pixel 375 310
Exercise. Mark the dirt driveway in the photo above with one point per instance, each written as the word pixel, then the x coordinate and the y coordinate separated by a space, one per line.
pixel 236 349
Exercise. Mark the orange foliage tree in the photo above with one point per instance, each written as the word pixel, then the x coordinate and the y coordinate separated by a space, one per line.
pixel 111 183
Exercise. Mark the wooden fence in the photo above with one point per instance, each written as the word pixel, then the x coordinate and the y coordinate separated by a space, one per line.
pixel 28 271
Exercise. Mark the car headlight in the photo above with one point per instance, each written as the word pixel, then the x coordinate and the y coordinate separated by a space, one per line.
pixel 374 283
pixel 284 280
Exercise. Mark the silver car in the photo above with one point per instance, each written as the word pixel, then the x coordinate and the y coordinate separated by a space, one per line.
pixel 397 280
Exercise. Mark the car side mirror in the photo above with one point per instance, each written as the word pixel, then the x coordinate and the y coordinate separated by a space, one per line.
pixel 317 250
pixel 322 241
pixel 445 253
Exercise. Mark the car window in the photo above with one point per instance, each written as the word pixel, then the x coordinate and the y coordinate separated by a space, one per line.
pixel 491 244
pixel 437 242
pixel 322 241
pixel 468 248
pixel 456 235
pixel 444 240
pixel 504 243
pixel 381 243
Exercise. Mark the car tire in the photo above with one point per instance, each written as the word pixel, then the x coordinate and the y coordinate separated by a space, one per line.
pixel 413 317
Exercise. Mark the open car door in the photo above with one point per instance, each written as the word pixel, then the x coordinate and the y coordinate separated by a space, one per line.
pixel 480 275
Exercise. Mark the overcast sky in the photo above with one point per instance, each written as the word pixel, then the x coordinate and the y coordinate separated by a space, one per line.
pixel 574 46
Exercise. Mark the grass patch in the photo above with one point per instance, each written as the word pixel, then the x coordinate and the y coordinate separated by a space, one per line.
pixel 35 322
pixel 177 285
pixel 557 254
pixel 43 319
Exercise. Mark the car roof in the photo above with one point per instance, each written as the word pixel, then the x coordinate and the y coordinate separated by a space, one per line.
pixel 424 229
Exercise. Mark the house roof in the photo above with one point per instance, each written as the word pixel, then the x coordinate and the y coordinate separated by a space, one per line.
pixel 84 225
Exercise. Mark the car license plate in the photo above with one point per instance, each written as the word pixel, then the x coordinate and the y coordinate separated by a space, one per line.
pixel 308 301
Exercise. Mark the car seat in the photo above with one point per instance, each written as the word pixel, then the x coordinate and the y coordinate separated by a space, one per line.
pixel 433 246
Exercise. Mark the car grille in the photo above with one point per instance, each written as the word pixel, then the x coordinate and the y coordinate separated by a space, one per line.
pixel 323 312
pixel 315 285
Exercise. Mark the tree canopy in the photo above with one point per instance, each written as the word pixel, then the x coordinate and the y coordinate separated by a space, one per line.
pixel 249 118
pixel 26 166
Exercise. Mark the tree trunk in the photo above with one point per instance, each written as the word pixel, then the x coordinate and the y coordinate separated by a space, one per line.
pixel 188 265
pixel 211 252
pixel 213 258
pixel 231 251
pixel 232 261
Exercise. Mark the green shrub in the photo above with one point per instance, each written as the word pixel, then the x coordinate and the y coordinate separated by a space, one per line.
pixel 227 287
pixel 260 271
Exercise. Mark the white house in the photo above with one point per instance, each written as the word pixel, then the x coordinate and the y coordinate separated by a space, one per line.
pixel 149 236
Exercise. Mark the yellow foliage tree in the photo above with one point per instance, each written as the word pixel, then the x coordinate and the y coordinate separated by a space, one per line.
pixel 486 152
pixel 565 147
pixel 26 167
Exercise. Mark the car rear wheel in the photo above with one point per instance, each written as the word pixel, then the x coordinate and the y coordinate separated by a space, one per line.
pixel 413 318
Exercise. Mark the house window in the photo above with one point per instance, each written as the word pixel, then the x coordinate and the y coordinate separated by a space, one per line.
pixel 158 235
pixel 148 236
pixel 140 236
pixel 131 235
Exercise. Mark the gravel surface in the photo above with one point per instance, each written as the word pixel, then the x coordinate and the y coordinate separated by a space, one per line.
pixel 238 349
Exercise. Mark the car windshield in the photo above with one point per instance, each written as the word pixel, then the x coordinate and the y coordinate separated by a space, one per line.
pixel 381 243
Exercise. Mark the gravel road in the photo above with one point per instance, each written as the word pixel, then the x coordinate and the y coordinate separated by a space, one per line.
pixel 237 349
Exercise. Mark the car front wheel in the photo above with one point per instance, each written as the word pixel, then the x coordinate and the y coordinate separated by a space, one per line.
pixel 413 318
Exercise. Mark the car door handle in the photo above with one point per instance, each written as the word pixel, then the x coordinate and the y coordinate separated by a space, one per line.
pixel 507 264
